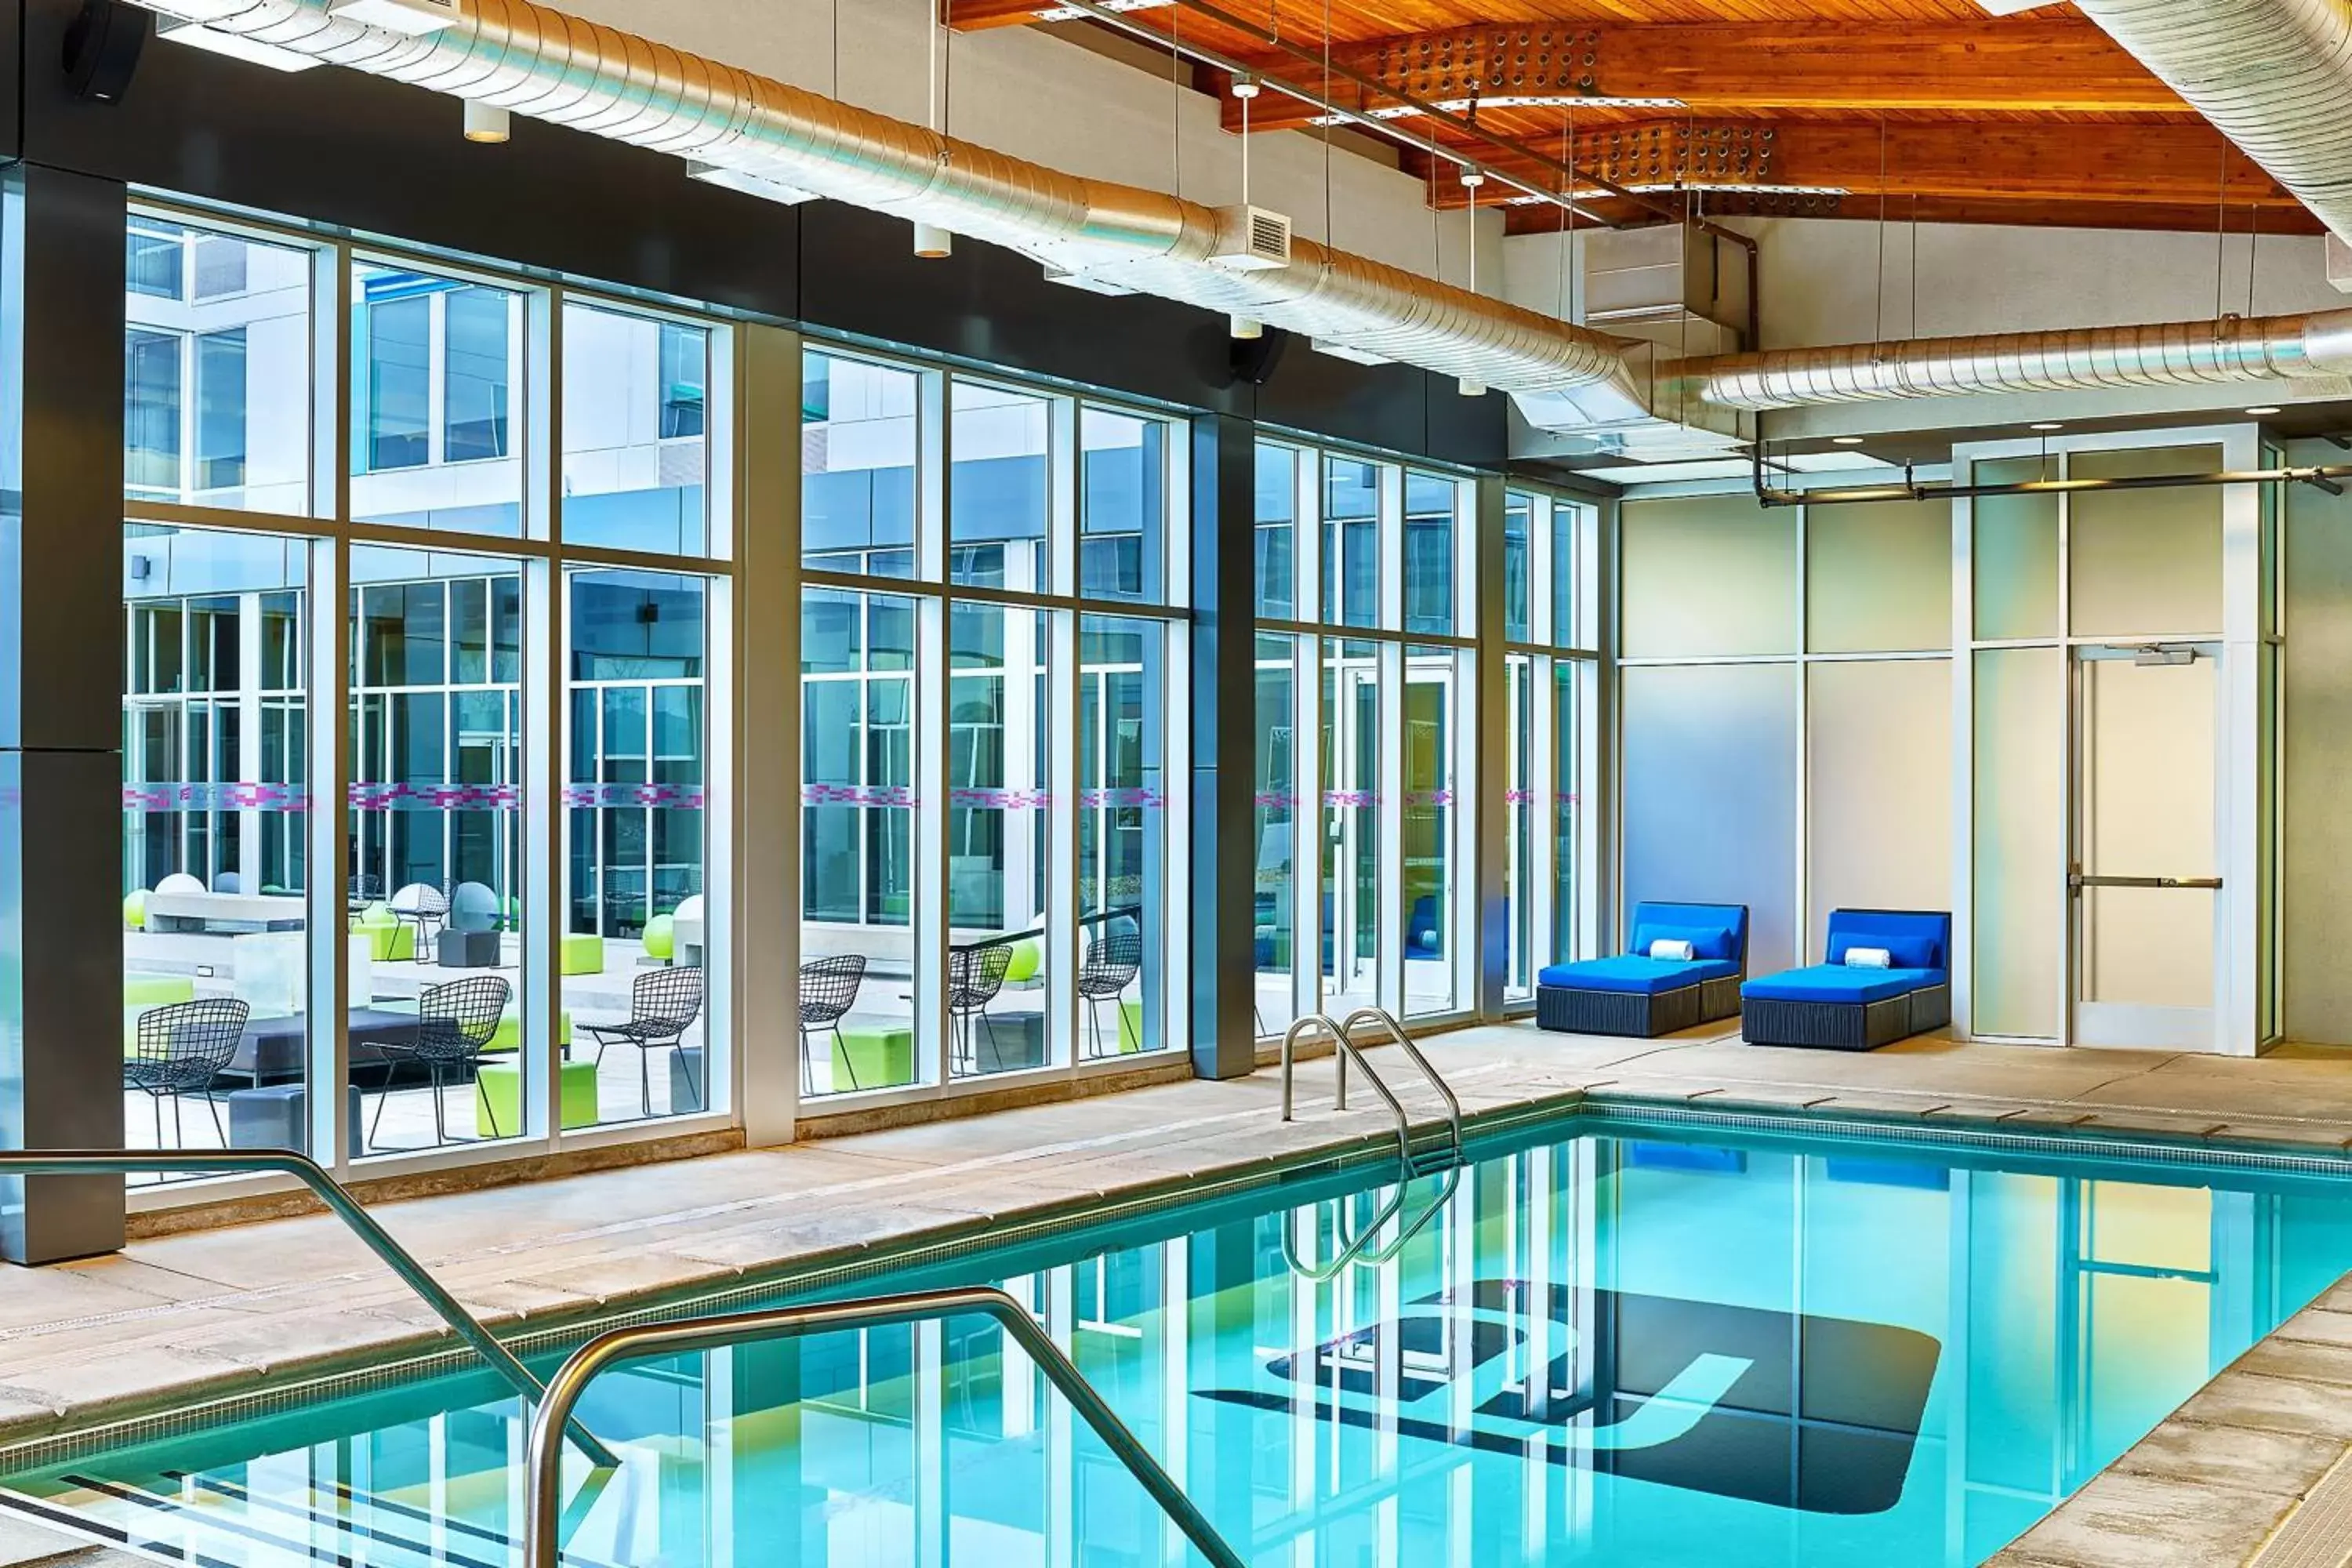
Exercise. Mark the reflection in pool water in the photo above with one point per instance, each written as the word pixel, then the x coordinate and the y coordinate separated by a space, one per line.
pixel 1607 1348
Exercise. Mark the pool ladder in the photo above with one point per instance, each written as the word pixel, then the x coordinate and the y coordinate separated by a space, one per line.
pixel 1450 1152
pixel 1447 1159
pixel 542 1522
pixel 552 1405
pixel 340 1202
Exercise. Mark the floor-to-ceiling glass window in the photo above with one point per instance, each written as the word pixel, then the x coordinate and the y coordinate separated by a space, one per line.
pixel 1379 558
pixel 1550 619
pixel 216 797
pixel 501 921
pixel 990 653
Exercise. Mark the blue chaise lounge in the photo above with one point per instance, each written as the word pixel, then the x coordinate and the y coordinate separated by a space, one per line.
pixel 1888 977
pixel 1645 996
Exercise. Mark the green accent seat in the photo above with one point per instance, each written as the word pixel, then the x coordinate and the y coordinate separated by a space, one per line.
pixel 583 953
pixel 390 939
pixel 157 990
pixel 499 1097
pixel 874 1056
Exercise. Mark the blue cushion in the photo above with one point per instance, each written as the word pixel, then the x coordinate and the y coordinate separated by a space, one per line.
pixel 1915 940
pixel 1837 983
pixel 1730 919
pixel 1631 975
pixel 1706 942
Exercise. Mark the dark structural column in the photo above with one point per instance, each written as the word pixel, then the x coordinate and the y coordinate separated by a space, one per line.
pixel 61 275
pixel 1224 691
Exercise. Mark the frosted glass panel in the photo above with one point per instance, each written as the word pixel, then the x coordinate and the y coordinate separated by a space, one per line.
pixel 2146 562
pixel 1711 766
pixel 2016 551
pixel 1878 774
pixel 2147 811
pixel 2020 717
pixel 1878 579
pixel 1708 575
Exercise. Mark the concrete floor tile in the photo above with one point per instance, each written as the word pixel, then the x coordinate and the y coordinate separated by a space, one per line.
pixel 2285 1464
pixel 2125 1521
pixel 2248 1400
pixel 2304 1360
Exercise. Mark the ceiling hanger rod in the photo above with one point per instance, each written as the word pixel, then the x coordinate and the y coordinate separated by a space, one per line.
pixel 1446 117
pixel 1389 128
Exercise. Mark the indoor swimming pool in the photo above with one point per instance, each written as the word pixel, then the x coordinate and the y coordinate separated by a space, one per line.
pixel 1612 1342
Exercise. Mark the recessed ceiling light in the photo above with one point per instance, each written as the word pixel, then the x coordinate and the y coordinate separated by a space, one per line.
pixel 2265 411
pixel 2047 424
pixel 1847 440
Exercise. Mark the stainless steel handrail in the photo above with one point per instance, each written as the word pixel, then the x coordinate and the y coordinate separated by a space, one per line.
pixel 1388 1021
pixel 702 1335
pixel 1323 1273
pixel 329 1192
pixel 1349 1050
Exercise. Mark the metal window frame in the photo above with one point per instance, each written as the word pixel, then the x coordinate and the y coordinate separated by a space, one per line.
pixel 329 535
pixel 1059 607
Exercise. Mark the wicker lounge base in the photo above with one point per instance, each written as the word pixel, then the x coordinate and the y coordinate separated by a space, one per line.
pixel 1576 1012
pixel 1847 1025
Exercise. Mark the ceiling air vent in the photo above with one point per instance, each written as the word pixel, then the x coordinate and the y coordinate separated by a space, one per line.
pixel 413 16
pixel 1251 240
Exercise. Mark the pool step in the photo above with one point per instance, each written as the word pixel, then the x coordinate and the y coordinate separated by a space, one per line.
pixel 2317 1533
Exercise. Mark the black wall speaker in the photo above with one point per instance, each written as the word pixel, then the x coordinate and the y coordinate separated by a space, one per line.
pixel 104 43
pixel 1255 359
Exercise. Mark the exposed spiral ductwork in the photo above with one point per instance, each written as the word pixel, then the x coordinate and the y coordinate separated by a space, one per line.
pixel 2186 353
pixel 2273 75
pixel 547 66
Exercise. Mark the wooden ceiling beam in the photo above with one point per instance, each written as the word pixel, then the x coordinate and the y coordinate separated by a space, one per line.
pixel 2048 65
pixel 2019 161
pixel 2147 216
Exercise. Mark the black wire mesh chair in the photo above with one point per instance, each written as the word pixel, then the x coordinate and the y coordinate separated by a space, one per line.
pixel 663 1004
pixel 1112 964
pixel 975 974
pixel 828 991
pixel 180 1049
pixel 455 1022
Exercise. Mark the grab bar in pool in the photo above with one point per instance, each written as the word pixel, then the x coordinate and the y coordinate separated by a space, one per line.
pixel 1395 1031
pixel 1354 1251
pixel 695 1335
pixel 1349 1050
pixel 345 1207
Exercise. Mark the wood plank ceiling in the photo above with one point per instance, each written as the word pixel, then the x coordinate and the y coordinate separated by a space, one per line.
pixel 1931 109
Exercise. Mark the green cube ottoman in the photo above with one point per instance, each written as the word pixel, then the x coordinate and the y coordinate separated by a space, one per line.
pixel 390 939
pixel 877 1055
pixel 1130 1026
pixel 157 990
pixel 500 1084
pixel 510 1032
pixel 583 953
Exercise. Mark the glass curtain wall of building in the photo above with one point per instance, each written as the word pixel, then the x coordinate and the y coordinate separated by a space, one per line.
pixel 1366 594
pixel 474 618
pixel 992 661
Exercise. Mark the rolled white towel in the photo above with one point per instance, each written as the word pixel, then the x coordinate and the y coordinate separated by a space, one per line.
pixel 1869 958
pixel 1669 947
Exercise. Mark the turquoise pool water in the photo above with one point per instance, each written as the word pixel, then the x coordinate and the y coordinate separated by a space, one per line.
pixel 1607 1346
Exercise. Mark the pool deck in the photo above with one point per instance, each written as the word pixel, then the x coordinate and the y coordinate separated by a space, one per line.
pixel 215 1312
